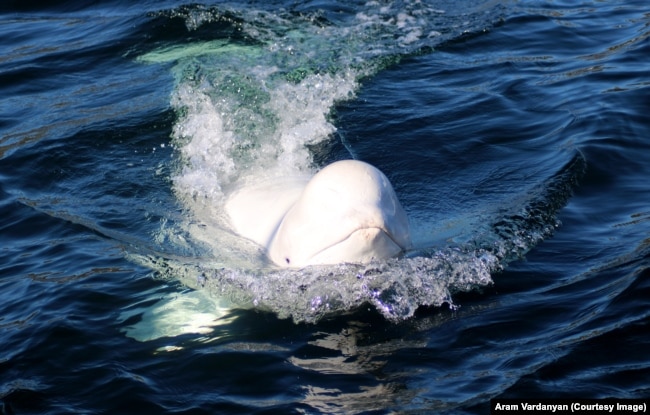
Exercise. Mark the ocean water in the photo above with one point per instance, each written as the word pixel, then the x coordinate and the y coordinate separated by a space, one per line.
pixel 515 133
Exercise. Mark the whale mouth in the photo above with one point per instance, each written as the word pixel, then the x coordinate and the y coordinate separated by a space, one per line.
pixel 360 246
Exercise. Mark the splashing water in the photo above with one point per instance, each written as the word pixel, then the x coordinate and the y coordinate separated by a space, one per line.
pixel 253 93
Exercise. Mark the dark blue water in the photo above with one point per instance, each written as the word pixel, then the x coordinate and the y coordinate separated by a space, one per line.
pixel 516 135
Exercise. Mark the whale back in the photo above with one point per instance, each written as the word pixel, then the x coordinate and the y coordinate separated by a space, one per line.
pixel 255 212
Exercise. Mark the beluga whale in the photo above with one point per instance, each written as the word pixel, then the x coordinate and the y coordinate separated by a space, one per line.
pixel 347 212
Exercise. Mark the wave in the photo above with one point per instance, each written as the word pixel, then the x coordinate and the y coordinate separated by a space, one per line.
pixel 254 93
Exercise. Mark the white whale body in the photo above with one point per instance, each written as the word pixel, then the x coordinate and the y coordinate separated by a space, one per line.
pixel 348 212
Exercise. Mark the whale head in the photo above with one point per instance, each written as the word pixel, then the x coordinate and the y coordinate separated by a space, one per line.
pixel 348 212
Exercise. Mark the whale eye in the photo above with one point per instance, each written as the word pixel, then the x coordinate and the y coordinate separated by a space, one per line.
pixel 288 260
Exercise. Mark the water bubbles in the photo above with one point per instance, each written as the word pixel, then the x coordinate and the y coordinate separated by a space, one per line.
pixel 248 109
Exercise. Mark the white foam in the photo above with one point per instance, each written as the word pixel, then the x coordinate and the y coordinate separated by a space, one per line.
pixel 205 144
pixel 216 154
pixel 244 114
pixel 248 111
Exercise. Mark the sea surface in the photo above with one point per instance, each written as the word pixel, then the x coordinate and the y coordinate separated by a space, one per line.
pixel 515 133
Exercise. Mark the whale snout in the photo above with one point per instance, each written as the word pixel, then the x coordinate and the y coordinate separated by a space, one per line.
pixel 362 245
